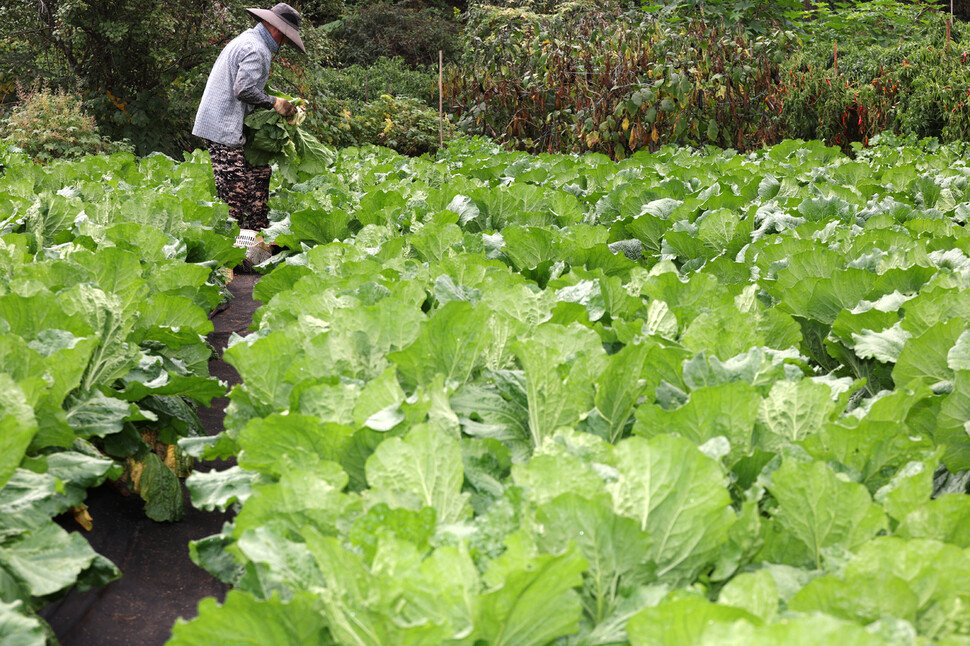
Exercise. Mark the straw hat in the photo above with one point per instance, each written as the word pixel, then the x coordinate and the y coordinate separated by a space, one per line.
pixel 285 18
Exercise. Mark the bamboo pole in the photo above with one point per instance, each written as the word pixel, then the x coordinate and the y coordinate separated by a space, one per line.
pixel 949 19
pixel 835 54
pixel 441 97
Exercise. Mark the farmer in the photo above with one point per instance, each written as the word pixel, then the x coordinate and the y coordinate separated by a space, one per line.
pixel 236 86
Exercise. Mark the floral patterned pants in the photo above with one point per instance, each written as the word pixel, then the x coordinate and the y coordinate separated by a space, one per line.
pixel 244 187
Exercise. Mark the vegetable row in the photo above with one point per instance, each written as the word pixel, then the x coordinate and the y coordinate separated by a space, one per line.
pixel 109 268
pixel 687 398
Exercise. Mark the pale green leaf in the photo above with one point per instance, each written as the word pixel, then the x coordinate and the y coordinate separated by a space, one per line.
pixel 17 427
pixel 822 510
pixel 926 356
pixel 211 490
pixel 452 343
pixel 678 495
pixel 546 477
pixel 661 321
pixel 958 358
pixel 560 364
pixel 755 592
pixel 884 346
pixel 792 411
pixel 682 622
pixel 278 443
pixel 728 410
pixel 544 588
pixel 946 518
pixel 244 620
pixel 613 545
pixel 17 628
pixel 423 469
pixel 618 389
pixel 47 559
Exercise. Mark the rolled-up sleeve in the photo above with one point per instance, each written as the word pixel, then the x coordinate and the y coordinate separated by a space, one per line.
pixel 250 78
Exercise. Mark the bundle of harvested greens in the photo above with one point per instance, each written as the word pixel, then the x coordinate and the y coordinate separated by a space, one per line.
pixel 271 138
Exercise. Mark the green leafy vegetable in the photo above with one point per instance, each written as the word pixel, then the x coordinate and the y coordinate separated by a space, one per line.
pixel 271 139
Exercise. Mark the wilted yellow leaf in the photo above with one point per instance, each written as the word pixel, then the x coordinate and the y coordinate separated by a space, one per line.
pixel 135 470
pixel 82 517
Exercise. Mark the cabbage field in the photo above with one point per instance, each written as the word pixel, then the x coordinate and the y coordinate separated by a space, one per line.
pixel 492 398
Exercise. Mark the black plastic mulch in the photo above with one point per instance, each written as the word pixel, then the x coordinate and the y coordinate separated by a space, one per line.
pixel 159 582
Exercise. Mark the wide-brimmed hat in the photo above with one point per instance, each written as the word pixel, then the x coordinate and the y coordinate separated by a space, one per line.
pixel 285 18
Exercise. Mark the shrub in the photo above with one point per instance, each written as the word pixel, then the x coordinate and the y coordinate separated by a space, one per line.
pixel 533 6
pixel 50 125
pixel 7 152
pixel 885 23
pixel 910 86
pixel 389 76
pixel 350 106
pixel 319 12
pixel 136 63
pixel 602 79
pixel 753 17
pixel 404 124
pixel 14 68
pixel 413 32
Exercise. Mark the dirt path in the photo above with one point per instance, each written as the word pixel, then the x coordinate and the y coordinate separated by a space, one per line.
pixel 159 582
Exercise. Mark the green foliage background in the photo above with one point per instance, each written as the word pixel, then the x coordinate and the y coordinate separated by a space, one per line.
pixel 538 75
pixel 49 125
pixel 137 64
pixel 608 77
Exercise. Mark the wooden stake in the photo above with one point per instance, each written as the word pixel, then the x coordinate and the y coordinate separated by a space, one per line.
pixel 948 34
pixel 836 55
pixel 441 97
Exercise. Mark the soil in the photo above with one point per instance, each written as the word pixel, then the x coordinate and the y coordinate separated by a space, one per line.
pixel 159 581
